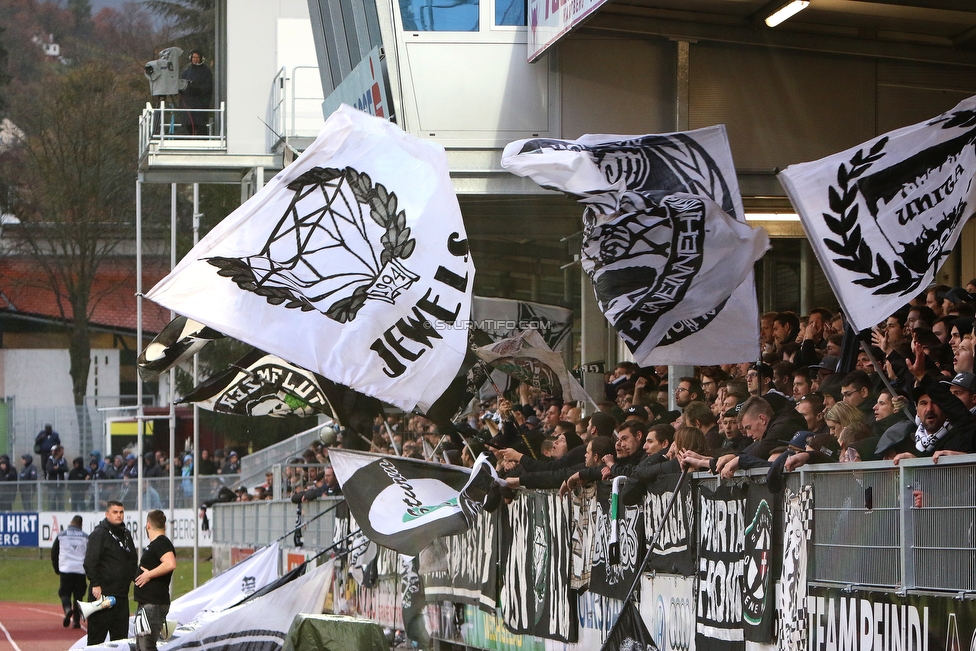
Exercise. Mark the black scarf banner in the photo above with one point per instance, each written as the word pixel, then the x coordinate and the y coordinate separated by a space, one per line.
pixel 674 552
pixel 536 546
pixel 721 546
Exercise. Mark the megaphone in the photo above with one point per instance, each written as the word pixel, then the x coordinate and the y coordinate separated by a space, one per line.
pixel 87 608
pixel 169 627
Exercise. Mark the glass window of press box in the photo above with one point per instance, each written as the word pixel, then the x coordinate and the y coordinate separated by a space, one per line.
pixel 458 15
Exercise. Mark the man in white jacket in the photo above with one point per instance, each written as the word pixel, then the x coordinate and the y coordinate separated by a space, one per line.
pixel 68 558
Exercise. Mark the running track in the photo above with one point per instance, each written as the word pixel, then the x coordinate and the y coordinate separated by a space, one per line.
pixel 35 627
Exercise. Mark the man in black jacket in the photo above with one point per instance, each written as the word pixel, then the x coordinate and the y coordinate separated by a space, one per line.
pixel 110 564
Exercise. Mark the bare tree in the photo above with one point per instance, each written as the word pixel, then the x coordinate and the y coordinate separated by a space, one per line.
pixel 73 179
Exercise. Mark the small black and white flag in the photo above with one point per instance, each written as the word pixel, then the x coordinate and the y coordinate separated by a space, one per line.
pixel 178 341
pixel 663 240
pixel 526 357
pixel 351 262
pixel 260 384
pixel 629 633
pixel 404 504
pixel 883 216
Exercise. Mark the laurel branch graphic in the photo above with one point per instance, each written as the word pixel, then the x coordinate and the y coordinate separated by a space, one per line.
pixel 854 253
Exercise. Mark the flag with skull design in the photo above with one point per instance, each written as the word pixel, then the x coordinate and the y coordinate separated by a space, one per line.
pixel 663 238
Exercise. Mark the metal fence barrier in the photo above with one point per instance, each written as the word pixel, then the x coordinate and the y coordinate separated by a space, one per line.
pixel 83 495
pixel 905 527
pixel 249 524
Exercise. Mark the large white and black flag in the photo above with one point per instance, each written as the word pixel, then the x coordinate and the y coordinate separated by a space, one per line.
pixel 665 242
pixel 352 262
pixel 178 341
pixel 404 504
pixel 883 216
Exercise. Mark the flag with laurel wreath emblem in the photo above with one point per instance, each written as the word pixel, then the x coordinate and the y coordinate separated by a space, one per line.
pixel 883 216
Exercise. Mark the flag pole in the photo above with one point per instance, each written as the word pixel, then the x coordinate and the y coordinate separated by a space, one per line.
pixel 650 547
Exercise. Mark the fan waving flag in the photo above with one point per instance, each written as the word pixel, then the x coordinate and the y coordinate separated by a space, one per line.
pixel 352 262
pixel 528 359
pixel 663 239
pixel 883 216
pixel 404 504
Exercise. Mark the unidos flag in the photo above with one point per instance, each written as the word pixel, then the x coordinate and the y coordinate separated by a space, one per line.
pixel 883 216
pixel 404 504
pixel 352 262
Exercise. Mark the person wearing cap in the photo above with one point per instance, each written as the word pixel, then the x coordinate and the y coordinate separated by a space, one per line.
pixel 944 424
pixel 55 472
pixel 150 467
pixel 821 371
pixel 45 440
pixel 27 483
pixel 759 379
pixel 233 465
pixel 131 469
pixel 805 448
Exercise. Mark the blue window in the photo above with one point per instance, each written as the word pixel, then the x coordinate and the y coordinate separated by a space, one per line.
pixel 439 15
pixel 510 13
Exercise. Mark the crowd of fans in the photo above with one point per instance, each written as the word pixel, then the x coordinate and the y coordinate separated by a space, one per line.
pixel 911 392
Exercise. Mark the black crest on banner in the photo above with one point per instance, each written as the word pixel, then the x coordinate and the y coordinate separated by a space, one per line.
pixel 536 546
pixel 758 598
pixel 342 241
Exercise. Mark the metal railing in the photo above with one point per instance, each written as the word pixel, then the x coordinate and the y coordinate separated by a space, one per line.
pixel 905 527
pixel 296 103
pixel 260 523
pixel 254 465
pixel 168 127
pixel 87 495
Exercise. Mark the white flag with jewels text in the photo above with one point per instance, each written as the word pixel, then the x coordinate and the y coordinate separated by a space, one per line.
pixel 882 217
pixel 351 262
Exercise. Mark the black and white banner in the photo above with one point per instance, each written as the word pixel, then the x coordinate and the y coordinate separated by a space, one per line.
pixel 501 318
pixel 260 384
pixel 614 579
pixel 258 625
pixel 535 596
pixel 674 552
pixel 467 571
pixel 351 262
pixel 721 551
pixel 403 503
pixel 863 620
pixel 758 596
pixel 665 241
pixel 791 602
pixel 883 216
